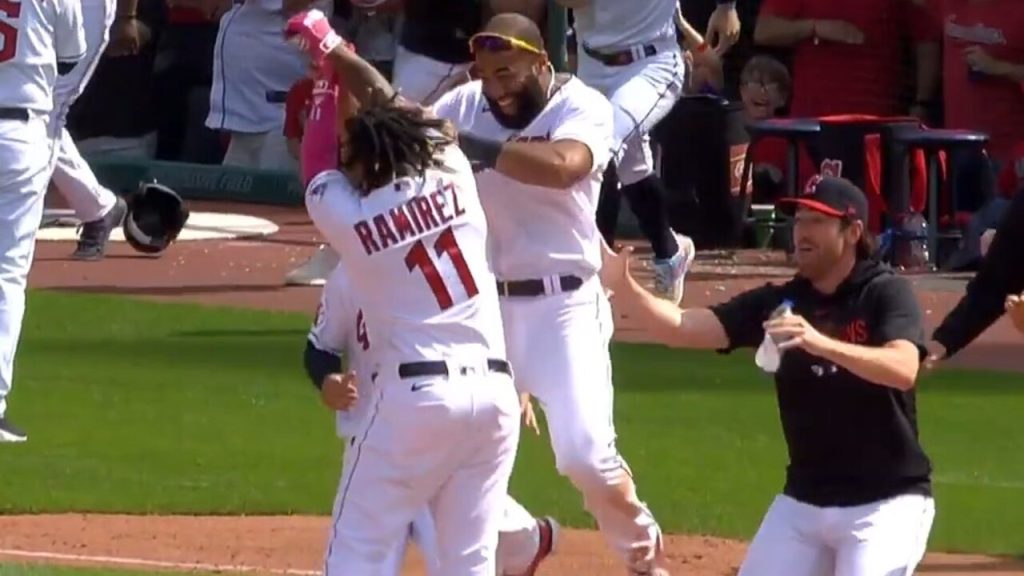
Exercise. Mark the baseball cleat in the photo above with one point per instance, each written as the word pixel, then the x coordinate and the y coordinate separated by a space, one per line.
pixel 92 242
pixel 548 528
pixel 670 274
pixel 10 433
pixel 316 270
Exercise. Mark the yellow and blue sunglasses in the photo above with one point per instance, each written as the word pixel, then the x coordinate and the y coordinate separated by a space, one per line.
pixel 492 42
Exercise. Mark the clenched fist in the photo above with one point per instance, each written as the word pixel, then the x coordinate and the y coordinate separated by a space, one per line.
pixel 339 391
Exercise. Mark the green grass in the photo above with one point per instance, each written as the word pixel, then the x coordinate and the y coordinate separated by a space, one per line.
pixel 141 407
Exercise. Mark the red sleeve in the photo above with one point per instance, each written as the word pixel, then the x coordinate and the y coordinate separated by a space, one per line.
pixel 782 8
pixel 295 108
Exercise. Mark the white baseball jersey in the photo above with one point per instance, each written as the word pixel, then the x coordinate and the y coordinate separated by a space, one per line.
pixel 535 231
pixel 619 24
pixel 416 255
pixel 340 329
pixel 34 36
pixel 254 67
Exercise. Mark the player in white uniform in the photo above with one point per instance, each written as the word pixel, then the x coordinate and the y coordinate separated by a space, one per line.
pixel 628 51
pixel 39 40
pixel 339 337
pixel 404 214
pixel 541 142
pixel 339 332
pixel 99 209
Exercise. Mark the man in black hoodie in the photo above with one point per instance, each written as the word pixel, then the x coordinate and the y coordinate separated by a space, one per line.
pixel 857 498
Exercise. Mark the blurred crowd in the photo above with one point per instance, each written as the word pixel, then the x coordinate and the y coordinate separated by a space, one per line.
pixel 212 81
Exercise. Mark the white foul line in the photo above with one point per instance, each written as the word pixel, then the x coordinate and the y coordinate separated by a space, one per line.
pixel 195 567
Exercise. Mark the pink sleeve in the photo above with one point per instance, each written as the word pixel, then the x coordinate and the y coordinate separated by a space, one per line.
pixel 319 150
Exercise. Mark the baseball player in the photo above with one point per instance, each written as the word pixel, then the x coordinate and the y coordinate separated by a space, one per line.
pixel 99 209
pixel 404 214
pixel 628 52
pixel 540 142
pixel 339 332
pixel 857 497
pixel 39 41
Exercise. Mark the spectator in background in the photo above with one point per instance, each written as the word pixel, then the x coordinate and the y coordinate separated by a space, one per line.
pixel 983 80
pixel 433 46
pixel 765 87
pixel 848 57
pixel 115 113
pixel 253 69
pixel 983 68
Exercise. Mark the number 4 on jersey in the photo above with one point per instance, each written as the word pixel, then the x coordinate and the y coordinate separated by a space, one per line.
pixel 11 10
pixel 446 243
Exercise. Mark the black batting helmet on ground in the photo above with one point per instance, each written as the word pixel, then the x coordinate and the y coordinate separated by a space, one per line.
pixel 156 215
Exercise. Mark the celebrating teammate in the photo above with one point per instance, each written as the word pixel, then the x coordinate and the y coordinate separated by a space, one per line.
pixel 628 51
pixel 39 41
pixel 404 214
pixel 857 499
pixel 540 142
pixel 339 332
pixel 97 207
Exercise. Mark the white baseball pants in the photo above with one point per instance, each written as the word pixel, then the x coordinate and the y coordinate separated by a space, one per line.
pixel 26 159
pixel 260 151
pixel 558 345
pixel 643 93
pixel 431 444
pixel 72 176
pixel 886 538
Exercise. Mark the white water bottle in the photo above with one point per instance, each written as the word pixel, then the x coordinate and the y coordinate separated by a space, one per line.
pixel 768 356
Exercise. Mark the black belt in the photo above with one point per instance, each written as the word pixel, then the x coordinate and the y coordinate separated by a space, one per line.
pixel 536 286
pixel 277 96
pixel 15 114
pixel 440 368
pixel 620 58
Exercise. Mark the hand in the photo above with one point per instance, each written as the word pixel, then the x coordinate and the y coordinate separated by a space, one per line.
pixel 795 332
pixel 980 61
pixel 838 31
pixel 312 33
pixel 339 391
pixel 529 418
pixel 482 152
pixel 936 353
pixel 124 37
pixel 615 267
pixel 1014 306
pixel 723 28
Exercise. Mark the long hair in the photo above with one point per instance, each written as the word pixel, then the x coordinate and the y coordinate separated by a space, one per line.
pixel 393 139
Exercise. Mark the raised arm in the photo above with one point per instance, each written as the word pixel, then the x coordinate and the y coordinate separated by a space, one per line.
pixel 312 32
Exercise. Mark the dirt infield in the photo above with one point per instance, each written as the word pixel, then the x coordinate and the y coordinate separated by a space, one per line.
pixel 249 273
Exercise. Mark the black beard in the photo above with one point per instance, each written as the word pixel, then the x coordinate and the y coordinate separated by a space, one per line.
pixel 532 101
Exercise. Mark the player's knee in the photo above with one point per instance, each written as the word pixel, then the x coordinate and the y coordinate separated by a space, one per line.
pixel 589 474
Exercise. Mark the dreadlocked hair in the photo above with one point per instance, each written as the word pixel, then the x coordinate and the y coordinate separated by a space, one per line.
pixel 392 140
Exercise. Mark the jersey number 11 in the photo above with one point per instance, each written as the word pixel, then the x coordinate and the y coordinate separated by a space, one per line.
pixel 419 257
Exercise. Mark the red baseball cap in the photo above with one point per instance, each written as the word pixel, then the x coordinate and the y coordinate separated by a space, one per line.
pixel 829 195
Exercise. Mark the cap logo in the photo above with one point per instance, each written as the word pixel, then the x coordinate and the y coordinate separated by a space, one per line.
pixel 812 185
pixel 830 167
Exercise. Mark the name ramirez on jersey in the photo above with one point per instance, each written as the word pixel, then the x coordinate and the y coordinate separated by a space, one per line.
pixel 409 220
